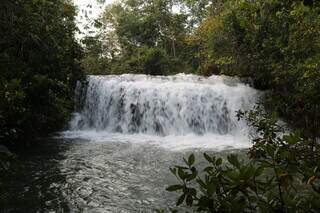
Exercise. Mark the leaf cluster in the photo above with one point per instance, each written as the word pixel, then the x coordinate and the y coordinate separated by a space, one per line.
pixel 281 174
pixel 276 44
pixel 40 65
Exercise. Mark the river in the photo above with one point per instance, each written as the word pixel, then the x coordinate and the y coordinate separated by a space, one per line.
pixel 125 134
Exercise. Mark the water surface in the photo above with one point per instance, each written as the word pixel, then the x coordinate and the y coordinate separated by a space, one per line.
pixel 125 134
pixel 83 175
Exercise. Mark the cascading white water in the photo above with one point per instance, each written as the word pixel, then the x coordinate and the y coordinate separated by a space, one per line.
pixel 129 129
pixel 171 105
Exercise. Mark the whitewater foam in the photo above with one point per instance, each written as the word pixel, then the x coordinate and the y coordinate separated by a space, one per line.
pixel 176 112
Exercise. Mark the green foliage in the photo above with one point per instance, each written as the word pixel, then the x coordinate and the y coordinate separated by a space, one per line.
pixel 40 64
pixel 96 55
pixel 275 43
pixel 198 10
pixel 281 175
pixel 146 60
pixel 155 61
pixel 140 37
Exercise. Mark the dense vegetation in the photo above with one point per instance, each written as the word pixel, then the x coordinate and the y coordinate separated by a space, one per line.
pixel 139 37
pixel 281 175
pixel 40 64
pixel 276 43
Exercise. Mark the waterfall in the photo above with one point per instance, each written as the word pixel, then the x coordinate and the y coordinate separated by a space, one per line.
pixel 163 105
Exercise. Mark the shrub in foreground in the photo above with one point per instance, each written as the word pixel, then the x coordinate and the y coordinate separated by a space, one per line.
pixel 281 174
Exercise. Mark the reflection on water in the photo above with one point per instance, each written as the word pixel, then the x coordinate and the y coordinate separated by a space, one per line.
pixel 114 158
pixel 77 175
pixel 112 176
pixel 35 186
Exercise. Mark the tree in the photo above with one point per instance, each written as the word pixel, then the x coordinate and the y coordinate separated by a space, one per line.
pixel 40 65
pixel 281 174
pixel 137 26
pixel 276 44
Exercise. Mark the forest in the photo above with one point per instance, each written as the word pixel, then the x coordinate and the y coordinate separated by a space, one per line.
pixel 274 45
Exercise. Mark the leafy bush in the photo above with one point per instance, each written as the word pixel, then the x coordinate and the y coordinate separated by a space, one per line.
pixel 275 43
pixel 282 174
pixel 40 65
